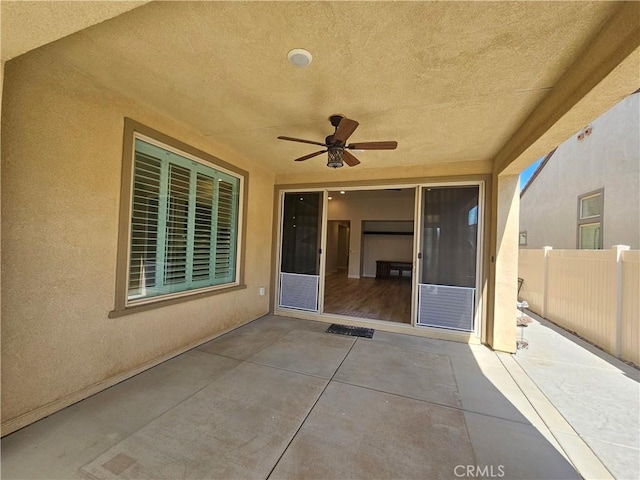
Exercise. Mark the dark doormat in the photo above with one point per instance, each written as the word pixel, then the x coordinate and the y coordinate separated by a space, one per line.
pixel 352 331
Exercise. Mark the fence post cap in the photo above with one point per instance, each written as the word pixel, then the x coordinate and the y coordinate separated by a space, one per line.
pixel 621 247
pixel 617 251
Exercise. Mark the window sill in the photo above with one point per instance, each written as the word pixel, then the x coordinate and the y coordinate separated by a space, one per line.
pixel 160 302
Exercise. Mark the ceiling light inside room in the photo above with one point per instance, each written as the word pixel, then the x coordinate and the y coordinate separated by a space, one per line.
pixel 299 57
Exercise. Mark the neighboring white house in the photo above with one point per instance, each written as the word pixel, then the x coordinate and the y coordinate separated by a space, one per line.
pixel 586 193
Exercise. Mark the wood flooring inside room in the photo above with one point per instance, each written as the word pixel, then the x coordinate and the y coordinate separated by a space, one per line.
pixel 388 299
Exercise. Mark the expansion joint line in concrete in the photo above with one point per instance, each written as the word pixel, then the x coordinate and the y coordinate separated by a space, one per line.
pixel 544 418
pixel 311 410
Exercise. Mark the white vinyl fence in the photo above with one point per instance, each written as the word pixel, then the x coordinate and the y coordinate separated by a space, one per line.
pixel 591 292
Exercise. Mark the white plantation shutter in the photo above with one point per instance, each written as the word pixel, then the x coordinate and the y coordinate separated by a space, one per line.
pixel 184 224
pixel 225 231
pixel 144 225
pixel 202 244
pixel 177 224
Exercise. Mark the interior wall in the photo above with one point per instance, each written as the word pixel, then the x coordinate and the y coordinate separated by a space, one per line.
pixel 331 265
pixel 343 245
pixel 357 206
pixel 62 140
pixel 337 251
pixel 393 248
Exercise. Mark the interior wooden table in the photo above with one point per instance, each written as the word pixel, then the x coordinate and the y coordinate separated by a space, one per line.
pixel 385 267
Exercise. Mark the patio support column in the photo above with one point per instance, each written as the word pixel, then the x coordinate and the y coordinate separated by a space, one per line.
pixel 501 334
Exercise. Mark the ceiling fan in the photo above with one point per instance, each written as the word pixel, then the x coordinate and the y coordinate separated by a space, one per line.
pixel 337 146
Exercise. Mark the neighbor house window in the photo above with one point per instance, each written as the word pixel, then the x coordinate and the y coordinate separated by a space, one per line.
pixel 590 208
pixel 183 221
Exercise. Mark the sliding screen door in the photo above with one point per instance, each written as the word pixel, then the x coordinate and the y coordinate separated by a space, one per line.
pixel 449 252
pixel 300 254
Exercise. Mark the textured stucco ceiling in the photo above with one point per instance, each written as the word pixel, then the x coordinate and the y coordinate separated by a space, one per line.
pixel 450 81
pixel 30 24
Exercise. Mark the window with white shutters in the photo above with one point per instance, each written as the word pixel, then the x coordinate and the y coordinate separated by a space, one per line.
pixel 184 224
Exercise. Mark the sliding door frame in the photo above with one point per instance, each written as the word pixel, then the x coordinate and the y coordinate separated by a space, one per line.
pixel 323 241
pixel 483 181
pixel 418 246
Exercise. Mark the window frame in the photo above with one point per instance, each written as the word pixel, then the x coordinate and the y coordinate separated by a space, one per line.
pixel 132 131
pixel 590 220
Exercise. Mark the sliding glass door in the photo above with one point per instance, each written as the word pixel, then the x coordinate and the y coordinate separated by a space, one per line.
pixel 300 250
pixel 448 257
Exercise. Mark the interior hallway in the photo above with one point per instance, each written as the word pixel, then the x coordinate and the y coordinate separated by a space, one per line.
pixel 388 299
pixel 280 398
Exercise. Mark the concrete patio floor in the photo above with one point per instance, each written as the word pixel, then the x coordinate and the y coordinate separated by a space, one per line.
pixel 597 394
pixel 280 398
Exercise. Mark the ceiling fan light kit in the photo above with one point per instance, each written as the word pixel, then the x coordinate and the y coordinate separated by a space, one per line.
pixel 335 157
pixel 336 144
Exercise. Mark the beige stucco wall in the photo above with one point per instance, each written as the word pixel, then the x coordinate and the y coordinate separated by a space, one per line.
pixel 609 158
pixel 61 165
pixel 49 21
pixel 385 175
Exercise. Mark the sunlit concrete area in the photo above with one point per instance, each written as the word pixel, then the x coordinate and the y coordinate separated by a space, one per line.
pixel 596 394
pixel 281 398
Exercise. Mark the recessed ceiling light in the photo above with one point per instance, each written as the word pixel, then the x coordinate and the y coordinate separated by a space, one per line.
pixel 342 192
pixel 330 198
pixel 299 57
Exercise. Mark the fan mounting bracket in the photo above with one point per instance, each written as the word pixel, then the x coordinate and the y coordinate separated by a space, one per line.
pixel 336 119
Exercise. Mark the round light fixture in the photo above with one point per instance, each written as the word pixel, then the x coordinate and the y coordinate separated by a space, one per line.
pixel 299 57
pixel 342 192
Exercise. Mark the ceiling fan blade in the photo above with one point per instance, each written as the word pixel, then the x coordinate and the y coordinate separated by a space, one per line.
pixel 373 146
pixel 349 159
pixel 345 128
pixel 307 157
pixel 291 139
